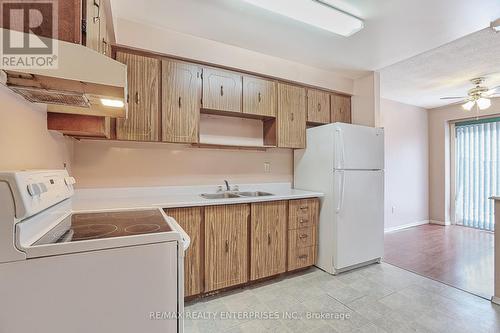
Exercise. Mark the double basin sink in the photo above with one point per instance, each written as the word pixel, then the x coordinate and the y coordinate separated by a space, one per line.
pixel 230 195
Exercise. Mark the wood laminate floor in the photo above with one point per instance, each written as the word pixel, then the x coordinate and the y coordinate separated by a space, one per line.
pixel 458 256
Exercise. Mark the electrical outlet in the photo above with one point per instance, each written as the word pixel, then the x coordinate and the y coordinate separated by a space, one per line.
pixel 267 167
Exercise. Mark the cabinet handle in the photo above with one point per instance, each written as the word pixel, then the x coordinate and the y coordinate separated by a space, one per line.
pixel 304 207
pixel 222 90
pixel 304 256
pixel 268 239
pixel 227 246
pixel 303 236
pixel 291 117
pixel 98 17
pixel 137 99
pixel 104 46
pixel 319 107
pixel 303 220
pixel 180 102
pixel 259 97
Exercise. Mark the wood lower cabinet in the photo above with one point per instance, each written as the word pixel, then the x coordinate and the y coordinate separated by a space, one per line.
pixel 341 108
pixel 302 233
pixel 318 106
pixel 268 229
pixel 222 90
pixel 291 127
pixel 143 76
pixel 226 246
pixel 259 97
pixel 181 101
pixel 191 220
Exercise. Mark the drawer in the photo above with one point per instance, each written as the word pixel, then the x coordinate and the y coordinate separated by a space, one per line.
pixel 301 257
pixel 303 213
pixel 303 237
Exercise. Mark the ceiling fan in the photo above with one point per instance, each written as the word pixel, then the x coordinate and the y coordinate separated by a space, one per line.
pixel 478 96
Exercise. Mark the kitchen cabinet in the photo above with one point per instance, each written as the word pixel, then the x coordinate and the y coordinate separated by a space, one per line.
pixel 142 123
pixel 190 219
pixel 181 101
pixel 291 127
pixel 226 246
pixel 340 108
pixel 79 125
pixel 302 234
pixel 259 97
pixel 268 229
pixel 318 106
pixel 92 24
pixel 222 90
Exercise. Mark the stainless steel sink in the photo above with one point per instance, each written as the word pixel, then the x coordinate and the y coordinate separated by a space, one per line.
pixel 225 195
pixel 254 194
pixel 229 195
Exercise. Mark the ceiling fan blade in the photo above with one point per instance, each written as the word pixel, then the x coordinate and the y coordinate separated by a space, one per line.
pixel 493 91
pixel 452 97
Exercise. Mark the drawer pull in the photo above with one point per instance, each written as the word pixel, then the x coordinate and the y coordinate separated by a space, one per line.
pixel 303 220
pixel 268 239
pixel 222 90
pixel 304 256
pixel 304 207
pixel 303 236
pixel 259 97
pixel 227 246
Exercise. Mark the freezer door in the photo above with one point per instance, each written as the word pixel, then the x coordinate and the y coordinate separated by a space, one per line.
pixel 358 147
pixel 359 229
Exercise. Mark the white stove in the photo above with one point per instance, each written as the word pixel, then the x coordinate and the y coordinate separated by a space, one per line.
pixel 93 271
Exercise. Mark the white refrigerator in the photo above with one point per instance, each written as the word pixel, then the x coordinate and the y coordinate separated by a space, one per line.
pixel 346 163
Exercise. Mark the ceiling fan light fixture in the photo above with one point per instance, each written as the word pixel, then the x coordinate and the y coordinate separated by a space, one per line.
pixel 469 105
pixel 483 103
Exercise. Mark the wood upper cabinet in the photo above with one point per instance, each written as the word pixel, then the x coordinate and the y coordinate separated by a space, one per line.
pixel 268 229
pixel 226 246
pixel 318 106
pixel 92 24
pixel 143 76
pixel 341 108
pixel 181 101
pixel 190 219
pixel 291 128
pixel 259 97
pixel 222 90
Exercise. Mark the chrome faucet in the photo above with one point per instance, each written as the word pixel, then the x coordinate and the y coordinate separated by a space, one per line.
pixel 227 185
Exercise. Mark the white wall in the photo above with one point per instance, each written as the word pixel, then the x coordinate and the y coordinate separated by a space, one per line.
pixel 406 164
pixel 25 142
pixel 439 156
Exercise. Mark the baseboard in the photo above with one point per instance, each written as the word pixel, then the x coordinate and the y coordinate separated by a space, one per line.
pixel 439 222
pixel 495 300
pixel 408 225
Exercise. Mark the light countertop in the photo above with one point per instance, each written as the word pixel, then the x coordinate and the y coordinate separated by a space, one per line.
pixel 177 196
pixel 494 198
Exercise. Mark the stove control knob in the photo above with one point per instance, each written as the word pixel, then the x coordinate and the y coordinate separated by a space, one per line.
pixel 34 190
pixel 43 188
pixel 69 180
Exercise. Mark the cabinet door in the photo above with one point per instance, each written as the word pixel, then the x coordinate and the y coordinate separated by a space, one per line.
pixel 291 116
pixel 93 18
pixel 143 91
pixel 190 219
pixel 341 108
pixel 181 101
pixel 259 97
pixel 318 106
pixel 226 246
pixel 222 90
pixel 268 239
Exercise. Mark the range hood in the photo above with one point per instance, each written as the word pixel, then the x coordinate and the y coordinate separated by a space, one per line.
pixel 84 82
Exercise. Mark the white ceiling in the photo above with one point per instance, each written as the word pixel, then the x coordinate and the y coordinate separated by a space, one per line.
pixel 444 71
pixel 394 29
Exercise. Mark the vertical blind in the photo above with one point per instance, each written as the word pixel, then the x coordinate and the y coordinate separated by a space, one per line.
pixel 477 172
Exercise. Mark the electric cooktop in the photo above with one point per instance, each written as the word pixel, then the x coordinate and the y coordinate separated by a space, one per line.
pixel 87 226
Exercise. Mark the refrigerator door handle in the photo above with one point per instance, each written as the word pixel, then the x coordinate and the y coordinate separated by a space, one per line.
pixel 340 151
pixel 340 202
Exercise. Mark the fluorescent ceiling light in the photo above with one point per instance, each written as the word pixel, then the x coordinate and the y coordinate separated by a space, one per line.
pixel 114 103
pixel 314 12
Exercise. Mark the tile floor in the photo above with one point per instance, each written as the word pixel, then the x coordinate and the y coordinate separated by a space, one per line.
pixel 377 298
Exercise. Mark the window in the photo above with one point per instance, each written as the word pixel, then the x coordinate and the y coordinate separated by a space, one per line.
pixel 477 172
